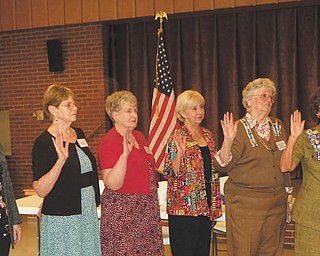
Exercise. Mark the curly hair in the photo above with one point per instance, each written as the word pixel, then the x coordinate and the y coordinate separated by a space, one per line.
pixel 113 101
pixel 258 83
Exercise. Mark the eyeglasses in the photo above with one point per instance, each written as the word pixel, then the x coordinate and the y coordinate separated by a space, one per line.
pixel 265 97
pixel 69 105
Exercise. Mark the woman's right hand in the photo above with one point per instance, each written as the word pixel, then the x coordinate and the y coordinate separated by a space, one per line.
pixel 180 141
pixel 296 125
pixel 44 185
pixel 128 143
pixel 62 150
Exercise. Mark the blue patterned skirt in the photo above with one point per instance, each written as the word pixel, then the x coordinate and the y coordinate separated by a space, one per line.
pixel 73 235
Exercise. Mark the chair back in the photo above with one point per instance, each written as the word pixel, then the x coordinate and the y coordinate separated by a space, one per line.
pixel 162 192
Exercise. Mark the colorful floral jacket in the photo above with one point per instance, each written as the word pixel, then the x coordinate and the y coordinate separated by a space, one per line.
pixel 186 194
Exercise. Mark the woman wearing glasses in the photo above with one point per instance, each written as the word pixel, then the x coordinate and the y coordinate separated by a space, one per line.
pixel 65 175
pixel 255 192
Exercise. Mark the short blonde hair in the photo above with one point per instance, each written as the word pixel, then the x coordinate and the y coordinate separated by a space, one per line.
pixel 113 101
pixel 185 100
pixel 258 83
pixel 54 95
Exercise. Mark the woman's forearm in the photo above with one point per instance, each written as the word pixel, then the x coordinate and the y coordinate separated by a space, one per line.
pixel 114 178
pixel 44 185
pixel 286 162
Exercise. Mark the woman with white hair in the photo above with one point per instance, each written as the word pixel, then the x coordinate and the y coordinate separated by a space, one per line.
pixel 255 192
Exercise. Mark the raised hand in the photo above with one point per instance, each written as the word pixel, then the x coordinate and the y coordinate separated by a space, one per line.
pixel 296 125
pixel 128 143
pixel 180 141
pixel 229 127
pixel 62 150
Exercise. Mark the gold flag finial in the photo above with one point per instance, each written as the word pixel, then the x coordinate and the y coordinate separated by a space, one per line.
pixel 161 15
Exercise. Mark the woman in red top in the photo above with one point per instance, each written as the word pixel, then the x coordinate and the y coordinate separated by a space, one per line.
pixel 130 216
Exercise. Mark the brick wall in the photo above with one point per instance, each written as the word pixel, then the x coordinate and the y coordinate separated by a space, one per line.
pixel 289 238
pixel 24 76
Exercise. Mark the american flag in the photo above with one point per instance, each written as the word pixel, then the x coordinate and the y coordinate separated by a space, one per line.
pixel 163 118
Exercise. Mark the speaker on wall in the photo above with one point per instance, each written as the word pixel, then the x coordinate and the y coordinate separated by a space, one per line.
pixel 55 55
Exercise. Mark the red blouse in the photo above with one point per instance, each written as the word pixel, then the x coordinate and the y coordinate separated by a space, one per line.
pixel 137 179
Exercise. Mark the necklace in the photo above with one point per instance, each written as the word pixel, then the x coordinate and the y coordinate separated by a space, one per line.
pixel 264 143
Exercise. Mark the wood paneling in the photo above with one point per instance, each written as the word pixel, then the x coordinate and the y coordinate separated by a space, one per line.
pixel 39 13
pixel 245 2
pixel 90 10
pixel 201 5
pixel 56 11
pixel 126 9
pixel 267 1
pixel 183 6
pixel 72 11
pixel 108 9
pixel 7 17
pixel 23 14
pixel 164 5
pixel 144 8
pixel 223 4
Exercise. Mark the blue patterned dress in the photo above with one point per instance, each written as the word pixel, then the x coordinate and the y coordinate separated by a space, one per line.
pixel 74 235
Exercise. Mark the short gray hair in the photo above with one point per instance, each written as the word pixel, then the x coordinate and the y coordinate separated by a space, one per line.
pixel 258 83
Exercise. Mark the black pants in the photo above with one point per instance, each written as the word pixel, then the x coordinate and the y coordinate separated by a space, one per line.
pixel 190 236
pixel 4 245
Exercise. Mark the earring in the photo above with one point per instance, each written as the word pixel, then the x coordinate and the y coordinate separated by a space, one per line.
pixel 55 120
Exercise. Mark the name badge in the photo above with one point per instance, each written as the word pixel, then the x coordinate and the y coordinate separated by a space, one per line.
pixel 82 143
pixel 281 145
pixel 148 150
pixel 191 143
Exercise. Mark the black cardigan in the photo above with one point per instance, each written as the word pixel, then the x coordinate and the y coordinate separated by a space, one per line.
pixel 65 197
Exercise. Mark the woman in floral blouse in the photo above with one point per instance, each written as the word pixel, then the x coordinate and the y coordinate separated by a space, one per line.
pixel 194 198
